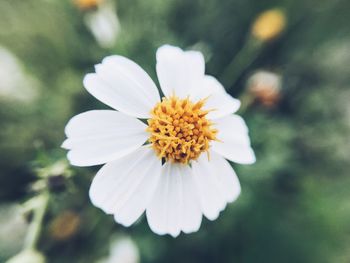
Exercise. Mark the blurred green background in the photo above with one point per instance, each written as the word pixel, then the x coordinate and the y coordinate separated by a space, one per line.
pixel 294 205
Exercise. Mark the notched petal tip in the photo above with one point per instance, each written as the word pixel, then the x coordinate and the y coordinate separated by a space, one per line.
pixel 89 77
pixel 175 235
pixel 212 217
pixel 97 68
pixel 194 230
pixel 235 195
pixel 122 221
pixel 238 104
pixel 167 48
pixel 65 144
pixel 253 157
pixel 112 57
pixel 155 230
pixel 249 157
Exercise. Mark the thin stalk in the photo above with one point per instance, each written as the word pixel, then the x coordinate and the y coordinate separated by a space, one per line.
pixel 35 226
pixel 241 61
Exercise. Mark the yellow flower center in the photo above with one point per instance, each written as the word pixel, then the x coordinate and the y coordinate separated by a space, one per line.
pixel 179 129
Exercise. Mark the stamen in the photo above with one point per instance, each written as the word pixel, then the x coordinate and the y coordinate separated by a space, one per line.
pixel 179 130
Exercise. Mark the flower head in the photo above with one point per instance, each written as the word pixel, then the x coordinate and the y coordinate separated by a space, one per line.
pixel 172 165
pixel 269 24
pixel 265 87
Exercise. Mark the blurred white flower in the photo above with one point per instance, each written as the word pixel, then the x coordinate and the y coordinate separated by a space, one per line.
pixel 265 86
pixel 28 256
pixel 15 83
pixel 122 250
pixel 191 130
pixel 13 229
pixel 104 25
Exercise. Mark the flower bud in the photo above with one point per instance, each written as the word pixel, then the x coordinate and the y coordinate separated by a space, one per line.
pixel 265 87
pixel 269 24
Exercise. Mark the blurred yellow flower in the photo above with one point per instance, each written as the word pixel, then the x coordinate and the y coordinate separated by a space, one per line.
pixel 87 4
pixel 65 225
pixel 269 24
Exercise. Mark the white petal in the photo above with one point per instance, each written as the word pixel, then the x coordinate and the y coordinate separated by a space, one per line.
pixel 234 141
pixel 125 187
pixel 163 213
pixel 210 190
pixel 98 136
pixel 123 85
pixel 216 183
pixel 178 70
pixel 191 212
pixel 174 207
pixel 218 99
pixel 226 176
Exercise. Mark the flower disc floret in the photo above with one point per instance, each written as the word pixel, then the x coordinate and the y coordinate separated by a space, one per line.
pixel 179 129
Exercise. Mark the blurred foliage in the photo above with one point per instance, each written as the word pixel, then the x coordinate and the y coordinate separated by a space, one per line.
pixel 293 206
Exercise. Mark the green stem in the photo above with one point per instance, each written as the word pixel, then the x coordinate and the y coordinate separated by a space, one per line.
pixel 35 226
pixel 241 61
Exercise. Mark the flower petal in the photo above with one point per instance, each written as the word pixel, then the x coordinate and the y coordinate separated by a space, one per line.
pixel 123 85
pixel 218 99
pixel 174 206
pixel 98 136
pixel 234 143
pixel 209 189
pixel 191 212
pixel 226 176
pixel 216 183
pixel 178 70
pixel 125 187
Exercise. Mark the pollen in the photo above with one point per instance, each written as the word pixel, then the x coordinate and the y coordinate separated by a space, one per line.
pixel 179 130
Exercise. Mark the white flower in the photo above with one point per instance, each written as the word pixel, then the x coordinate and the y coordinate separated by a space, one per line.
pixel 174 166
pixel 104 25
pixel 122 250
pixel 16 84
